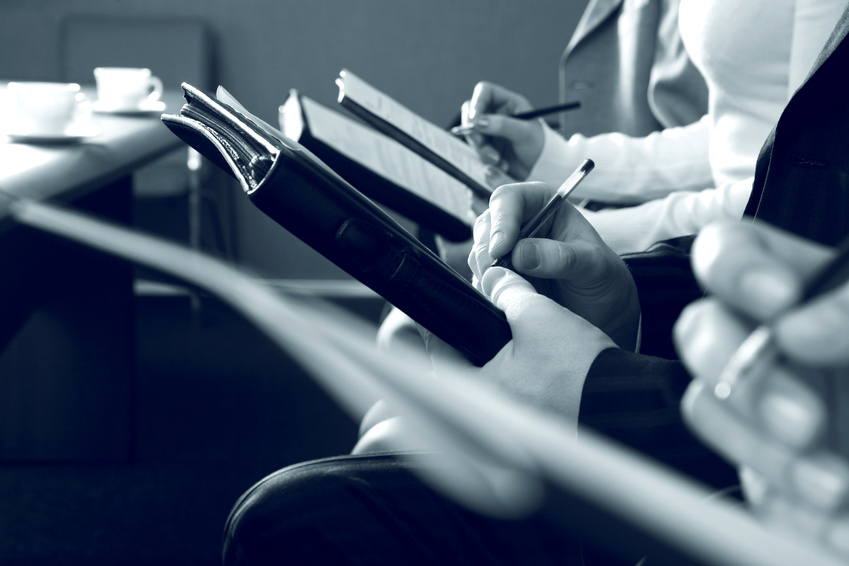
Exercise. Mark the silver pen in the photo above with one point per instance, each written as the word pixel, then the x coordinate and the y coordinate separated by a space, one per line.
pixel 532 226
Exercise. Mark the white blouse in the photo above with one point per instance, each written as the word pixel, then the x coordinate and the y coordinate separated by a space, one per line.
pixel 753 55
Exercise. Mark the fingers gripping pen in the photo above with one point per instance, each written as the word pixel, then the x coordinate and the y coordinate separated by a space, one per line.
pixel 532 227
pixel 760 345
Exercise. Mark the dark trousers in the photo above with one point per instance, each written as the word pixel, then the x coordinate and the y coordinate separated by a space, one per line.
pixel 374 510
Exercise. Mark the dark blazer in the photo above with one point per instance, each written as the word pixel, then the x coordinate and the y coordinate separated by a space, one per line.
pixel 802 185
pixel 802 176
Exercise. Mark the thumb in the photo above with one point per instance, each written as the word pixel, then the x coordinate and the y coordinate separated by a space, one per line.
pixel 551 259
pixel 506 289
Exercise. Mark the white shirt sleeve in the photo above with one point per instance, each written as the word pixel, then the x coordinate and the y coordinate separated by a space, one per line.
pixel 681 213
pixel 629 169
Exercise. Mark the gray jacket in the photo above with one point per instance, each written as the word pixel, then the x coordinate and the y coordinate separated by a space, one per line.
pixel 627 66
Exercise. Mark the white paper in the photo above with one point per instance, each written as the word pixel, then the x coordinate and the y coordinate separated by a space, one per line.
pixel 444 144
pixel 381 154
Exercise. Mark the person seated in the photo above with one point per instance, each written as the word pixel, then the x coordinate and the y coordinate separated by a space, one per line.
pixel 662 89
pixel 680 161
pixel 681 178
pixel 625 63
pixel 371 508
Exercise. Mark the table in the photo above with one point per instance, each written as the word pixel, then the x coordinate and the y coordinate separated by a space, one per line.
pixel 67 332
pixel 65 172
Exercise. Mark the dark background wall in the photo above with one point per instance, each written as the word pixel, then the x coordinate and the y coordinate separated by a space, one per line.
pixel 428 54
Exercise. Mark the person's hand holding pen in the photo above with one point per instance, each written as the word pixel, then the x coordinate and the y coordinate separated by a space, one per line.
pixel 509 145
pixel 785 421
pixel 566 260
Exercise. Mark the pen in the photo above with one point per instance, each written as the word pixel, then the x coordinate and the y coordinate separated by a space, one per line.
pixel 531 228
pixel 760 345
pixel 547 110
pixel 469 128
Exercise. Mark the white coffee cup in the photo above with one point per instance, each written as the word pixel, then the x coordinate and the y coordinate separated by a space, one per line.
pixel 45 108
pixel 126 88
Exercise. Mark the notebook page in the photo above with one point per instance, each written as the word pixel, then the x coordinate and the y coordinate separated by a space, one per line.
pixel 381 154
pixel 438 140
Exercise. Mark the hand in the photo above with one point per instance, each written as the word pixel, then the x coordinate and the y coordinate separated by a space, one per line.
pixel 381 429
pixel 783 426
pixel 571 265
pixel 544 364
pixel 456 254
pixel 548 358
pixel 508 144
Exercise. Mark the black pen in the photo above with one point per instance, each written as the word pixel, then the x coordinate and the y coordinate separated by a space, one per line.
pixel 530 114
pixel 760 345
pixel 547 110
pixel 531 228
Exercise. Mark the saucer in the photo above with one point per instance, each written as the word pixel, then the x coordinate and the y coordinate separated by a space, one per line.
pixel 72 134
pixel 145 107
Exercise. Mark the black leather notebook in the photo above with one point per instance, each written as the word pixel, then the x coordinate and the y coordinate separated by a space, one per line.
pixel 302 194
pixel 380 167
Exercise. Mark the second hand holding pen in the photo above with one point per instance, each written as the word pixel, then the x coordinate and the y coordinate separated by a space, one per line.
pixel 467 129
pixel 760 346
pixel 532 227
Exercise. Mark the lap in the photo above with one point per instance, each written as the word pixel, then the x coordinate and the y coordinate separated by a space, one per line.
pixel 373 509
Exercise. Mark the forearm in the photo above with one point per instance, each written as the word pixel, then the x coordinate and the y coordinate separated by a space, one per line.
pixel 629 169
pixel 682 213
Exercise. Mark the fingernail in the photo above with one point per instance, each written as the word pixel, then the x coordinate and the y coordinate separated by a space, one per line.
pixel 490 279
pixel 490 155
pixel 768 290
pixel 685 333
pixel 684 326
pixel 493 174
pixel 794 417
pixel 830 320
pixel 462 130
pixel 482 123
pixel 530 255
pixel 822 480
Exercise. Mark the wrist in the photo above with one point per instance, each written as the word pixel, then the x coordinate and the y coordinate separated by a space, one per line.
pixel 625 328
pixel 549 165
pixel 556 384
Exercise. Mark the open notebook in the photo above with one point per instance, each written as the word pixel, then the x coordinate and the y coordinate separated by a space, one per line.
pixel 425 138
pixel 380 167
pixel 305 196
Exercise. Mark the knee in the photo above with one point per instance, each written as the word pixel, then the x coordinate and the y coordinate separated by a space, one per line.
pixel 260 525
pixel 306 513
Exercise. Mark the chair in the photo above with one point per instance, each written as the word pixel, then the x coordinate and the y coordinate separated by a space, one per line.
pixel 176 50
